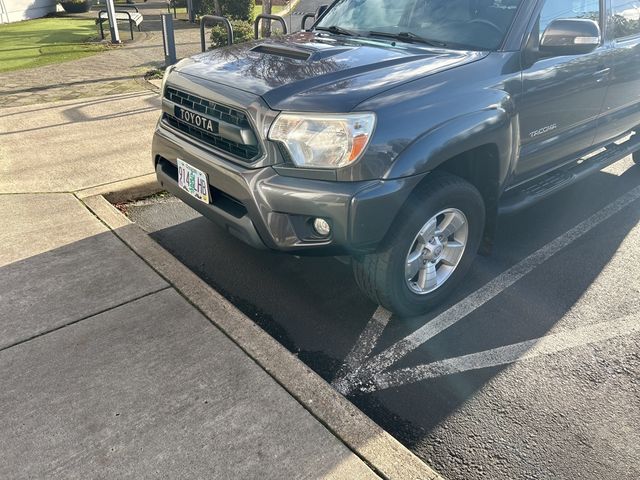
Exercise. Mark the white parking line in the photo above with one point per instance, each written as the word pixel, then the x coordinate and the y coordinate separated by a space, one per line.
pixel 366 341
pixel 365 372
pixel 496 357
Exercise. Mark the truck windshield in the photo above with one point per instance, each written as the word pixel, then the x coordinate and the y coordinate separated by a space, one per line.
pixel 471 24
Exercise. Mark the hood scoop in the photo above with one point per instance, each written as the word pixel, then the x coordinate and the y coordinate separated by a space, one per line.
pixel 282 51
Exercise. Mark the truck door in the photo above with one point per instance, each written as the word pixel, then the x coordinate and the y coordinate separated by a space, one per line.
pixel 622 103
pixel 562 96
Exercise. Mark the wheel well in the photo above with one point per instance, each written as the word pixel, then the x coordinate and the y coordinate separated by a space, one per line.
pixel 481 168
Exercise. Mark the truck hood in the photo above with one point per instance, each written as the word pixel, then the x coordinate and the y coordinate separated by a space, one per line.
pixel 314 71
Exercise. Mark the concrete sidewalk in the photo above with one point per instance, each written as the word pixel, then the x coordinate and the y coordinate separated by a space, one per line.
pixel 108 372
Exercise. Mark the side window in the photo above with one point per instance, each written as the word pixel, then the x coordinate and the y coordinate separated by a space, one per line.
pixel 561 9
pixel 625 18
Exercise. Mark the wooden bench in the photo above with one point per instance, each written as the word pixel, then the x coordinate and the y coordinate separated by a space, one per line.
pixel 134 18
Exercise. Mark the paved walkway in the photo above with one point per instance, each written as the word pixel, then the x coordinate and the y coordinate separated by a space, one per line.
pixel 121 69
pixel 106 370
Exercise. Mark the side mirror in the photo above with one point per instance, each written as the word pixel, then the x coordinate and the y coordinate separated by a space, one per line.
pixel 321 9
pixel 575 36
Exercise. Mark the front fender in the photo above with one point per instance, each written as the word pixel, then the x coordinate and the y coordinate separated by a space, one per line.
pixel 493 126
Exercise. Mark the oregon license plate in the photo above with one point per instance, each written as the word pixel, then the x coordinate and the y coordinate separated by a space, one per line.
pixel 193 181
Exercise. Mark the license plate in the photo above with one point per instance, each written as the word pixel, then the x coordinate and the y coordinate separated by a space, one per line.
pixel 193 181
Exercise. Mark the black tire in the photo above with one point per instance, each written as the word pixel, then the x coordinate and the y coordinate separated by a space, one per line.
pixel 636 157
pixel 381 275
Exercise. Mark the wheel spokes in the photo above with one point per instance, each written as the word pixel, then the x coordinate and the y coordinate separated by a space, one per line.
pixel 451 223
pixel 428 277
pixel 436 251
pixel 414 262
pixel 452 253
pixel 428 231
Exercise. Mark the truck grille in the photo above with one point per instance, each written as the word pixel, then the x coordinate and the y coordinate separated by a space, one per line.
pixel 216 111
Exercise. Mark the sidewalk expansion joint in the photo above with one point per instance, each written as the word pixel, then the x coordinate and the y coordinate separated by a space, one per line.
pixel 115 182
pixel 47 332
pixel 35 193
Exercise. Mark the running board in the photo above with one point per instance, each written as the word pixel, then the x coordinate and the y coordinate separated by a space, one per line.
pixel 532 192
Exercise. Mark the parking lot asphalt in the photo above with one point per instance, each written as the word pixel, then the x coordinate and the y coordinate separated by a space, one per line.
pixel 532 370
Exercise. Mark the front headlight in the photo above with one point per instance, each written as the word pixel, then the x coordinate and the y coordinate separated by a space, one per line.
pixel 323 141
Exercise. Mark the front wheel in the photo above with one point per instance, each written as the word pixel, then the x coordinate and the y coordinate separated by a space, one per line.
pixel 432 244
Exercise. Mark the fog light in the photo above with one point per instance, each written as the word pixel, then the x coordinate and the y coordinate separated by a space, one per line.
pixel 322 227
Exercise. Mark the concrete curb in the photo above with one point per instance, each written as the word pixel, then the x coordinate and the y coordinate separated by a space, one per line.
pixel 154 84
pixel 378 449
pixel 125 190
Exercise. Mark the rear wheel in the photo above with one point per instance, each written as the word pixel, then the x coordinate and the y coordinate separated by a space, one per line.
pixel 431 246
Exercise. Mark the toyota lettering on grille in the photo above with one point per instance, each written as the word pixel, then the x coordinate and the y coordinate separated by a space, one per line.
pixel 196 120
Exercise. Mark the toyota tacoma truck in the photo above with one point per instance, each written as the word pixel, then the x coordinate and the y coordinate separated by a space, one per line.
pixel 395 132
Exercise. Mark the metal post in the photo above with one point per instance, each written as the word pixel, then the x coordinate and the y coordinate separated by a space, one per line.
pixel 168 39
pixel 191 12
pixel 113 23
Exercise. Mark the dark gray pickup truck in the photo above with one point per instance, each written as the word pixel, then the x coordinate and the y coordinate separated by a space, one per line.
pixel 396 131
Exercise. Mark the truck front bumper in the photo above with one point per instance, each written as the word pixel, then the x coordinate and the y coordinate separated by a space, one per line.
pixel 267 210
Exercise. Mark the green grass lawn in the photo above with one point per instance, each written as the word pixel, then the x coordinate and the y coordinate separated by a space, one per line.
pixel 46 40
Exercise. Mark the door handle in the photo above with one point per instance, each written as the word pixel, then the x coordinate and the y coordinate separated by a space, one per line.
pixel 602 74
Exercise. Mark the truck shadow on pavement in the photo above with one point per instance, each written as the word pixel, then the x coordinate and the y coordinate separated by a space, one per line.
pixel 313 307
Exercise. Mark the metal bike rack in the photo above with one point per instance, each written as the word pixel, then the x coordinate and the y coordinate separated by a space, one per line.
pixel 210 20
pixel 276 18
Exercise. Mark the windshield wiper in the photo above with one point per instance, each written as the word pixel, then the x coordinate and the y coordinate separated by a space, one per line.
pixel 337 30
pixel 408 37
